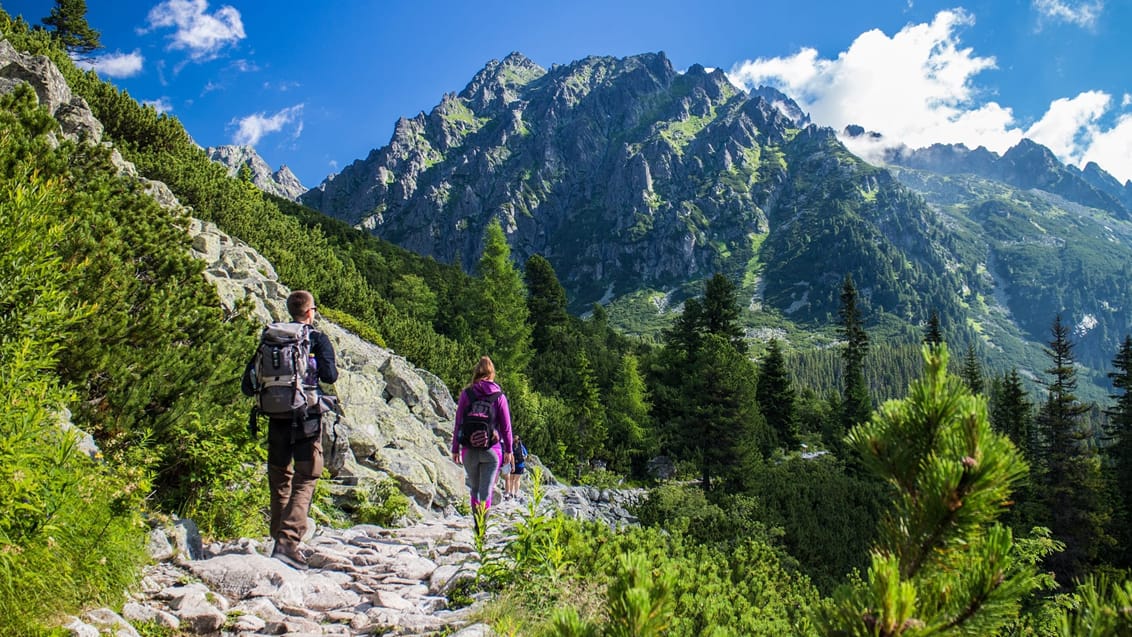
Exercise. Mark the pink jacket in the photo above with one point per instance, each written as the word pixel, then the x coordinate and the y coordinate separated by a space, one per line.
pixel 502 415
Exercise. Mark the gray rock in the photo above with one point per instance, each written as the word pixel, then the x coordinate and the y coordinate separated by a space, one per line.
pixel 202 618
pixel 135 613
pixel 186 537
pixel 158 545
pixel 109 622
pixel 78 628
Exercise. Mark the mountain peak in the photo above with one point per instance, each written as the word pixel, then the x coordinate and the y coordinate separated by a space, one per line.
pixel 783 103
pixel 497 82
pixel 282 182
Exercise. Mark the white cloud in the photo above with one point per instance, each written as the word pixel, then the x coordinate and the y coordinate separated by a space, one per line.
pixel 115 64
pixel 282 86
pixel 244 66
pixel 1112 148
pixel 161 104
pixel 1070 122
pixel 917 88
pixel 202 34
pixel 250 129
pixel 914 86
pixel 1127 101
pixel 1082 14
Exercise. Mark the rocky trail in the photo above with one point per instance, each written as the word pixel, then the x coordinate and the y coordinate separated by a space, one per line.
pixel 363 580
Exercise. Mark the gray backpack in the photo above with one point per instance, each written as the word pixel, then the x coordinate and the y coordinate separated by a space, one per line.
pixel 281 365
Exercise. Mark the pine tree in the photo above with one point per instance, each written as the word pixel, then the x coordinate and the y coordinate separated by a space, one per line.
pixel 721 312
pixel 972 371
pixel 856 404
pixel 68 19
pixel 776 396
pixel 943 565
pixel 546 302
pixel 628 415
pixel 727 433
pixel 1070 483
pixel 1120 447
pixel 501 322
pixel 933 335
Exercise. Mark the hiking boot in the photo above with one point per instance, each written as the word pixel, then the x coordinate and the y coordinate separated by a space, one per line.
pixel 292 558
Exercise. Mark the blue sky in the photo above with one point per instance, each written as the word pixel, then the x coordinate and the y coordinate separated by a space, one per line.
pixel 319 88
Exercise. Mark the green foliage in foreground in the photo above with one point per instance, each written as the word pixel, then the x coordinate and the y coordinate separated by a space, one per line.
pixel 70 533
pixel 942 565
pixel 644 582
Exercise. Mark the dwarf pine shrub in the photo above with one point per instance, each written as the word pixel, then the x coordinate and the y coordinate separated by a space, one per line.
pixel 70 532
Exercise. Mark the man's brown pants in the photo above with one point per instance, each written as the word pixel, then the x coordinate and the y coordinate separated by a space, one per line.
pixel 291 490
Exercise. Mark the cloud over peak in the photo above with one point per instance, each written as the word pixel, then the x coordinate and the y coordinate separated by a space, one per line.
pixel 252 128
pixel 917 88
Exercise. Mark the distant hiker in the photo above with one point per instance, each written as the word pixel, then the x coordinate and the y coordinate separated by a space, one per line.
pixel 519 451
pixel 481 439
pixel 283 376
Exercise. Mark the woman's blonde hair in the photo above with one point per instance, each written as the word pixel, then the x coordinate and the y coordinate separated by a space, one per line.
pixel 483 370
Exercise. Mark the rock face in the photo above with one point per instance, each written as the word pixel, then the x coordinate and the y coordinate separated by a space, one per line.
pixel 282 183
pixel 622 172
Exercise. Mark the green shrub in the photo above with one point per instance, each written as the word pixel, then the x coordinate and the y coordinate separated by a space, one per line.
pixel 382 504
pixel 70 533
pixel 363 330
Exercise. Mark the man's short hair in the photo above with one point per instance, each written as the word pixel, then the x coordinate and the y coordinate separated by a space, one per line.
pixel 298 302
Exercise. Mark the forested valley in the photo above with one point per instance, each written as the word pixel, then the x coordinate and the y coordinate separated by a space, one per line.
pixel 882 486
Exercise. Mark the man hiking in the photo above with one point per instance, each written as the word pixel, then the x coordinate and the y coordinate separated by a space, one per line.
pixel 294 432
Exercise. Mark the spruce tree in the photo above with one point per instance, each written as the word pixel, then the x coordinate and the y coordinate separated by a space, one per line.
pixel 630 436
pixel 1119 449
pixel 586 409
pixel 546 302
pixel 856 404
pixel 726 432
pixel 1070 483
pixel 721 311
pixel 686 332
pixel 933 334
pixel 943 565
pixel 1012 413
pixel 68 20
pixel 972 371
pixel 501 320
pixel 776 396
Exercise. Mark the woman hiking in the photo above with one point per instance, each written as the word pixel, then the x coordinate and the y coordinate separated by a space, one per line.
pixel 481 438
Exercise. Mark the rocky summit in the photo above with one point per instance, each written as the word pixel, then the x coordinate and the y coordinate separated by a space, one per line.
pixel 281 183
pixel 622 172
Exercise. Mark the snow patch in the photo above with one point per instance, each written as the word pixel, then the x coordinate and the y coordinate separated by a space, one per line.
pixel 1085 325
